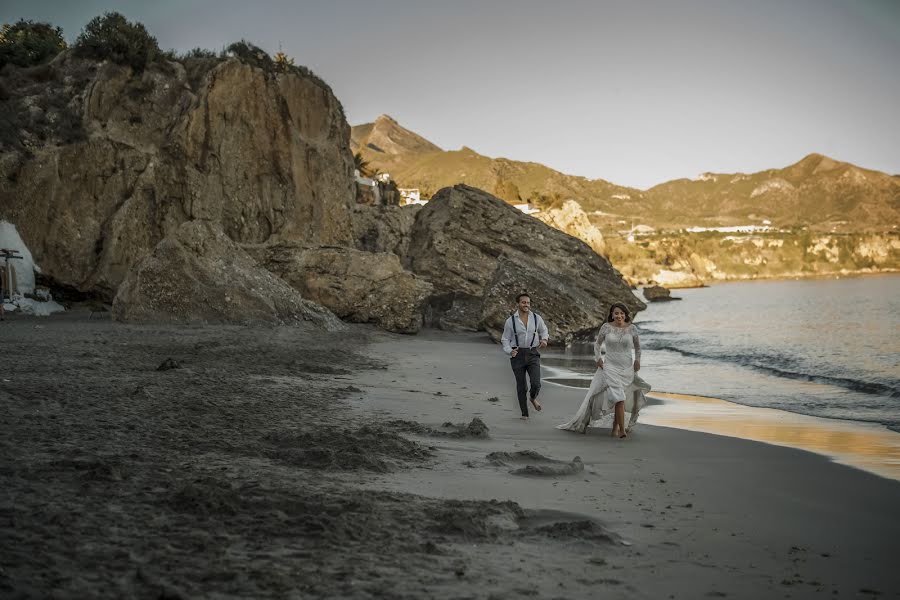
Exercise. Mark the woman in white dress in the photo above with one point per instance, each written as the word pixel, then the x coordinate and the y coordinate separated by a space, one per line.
pixel 615 388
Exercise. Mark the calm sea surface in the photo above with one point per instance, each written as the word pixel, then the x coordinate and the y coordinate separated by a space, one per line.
pixel 827 348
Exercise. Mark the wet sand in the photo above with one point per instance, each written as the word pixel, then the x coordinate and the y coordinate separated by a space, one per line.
pixel 287 463
pixel 868 446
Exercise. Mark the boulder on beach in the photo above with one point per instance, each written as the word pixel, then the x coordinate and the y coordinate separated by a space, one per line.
pixel 197 274
pixel 362 287
pixel 479 252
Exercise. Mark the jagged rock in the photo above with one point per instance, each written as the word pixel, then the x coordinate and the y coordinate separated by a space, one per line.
pixel 363 287
pixel 657 293
pixel 479 252
pixel 265 155
pixel 383 228
pixel 197 274
pixel 571 218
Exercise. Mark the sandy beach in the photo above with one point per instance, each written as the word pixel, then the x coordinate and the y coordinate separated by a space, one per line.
pixel 289 463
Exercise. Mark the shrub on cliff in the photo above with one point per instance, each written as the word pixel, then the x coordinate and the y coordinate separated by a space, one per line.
pixel 259 58
pixel 252 55
pixel 29 43
pixel 112 37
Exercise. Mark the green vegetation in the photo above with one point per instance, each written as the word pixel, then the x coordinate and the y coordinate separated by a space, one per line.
pixel 361 165
pixel 113 37
pixel 29 43
pixel 200 53
pixel 40 100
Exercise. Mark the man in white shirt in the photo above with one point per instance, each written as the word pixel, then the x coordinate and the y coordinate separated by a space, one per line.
pixel 523 335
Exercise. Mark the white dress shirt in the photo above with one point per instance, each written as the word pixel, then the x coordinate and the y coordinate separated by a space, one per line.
pixel 530 334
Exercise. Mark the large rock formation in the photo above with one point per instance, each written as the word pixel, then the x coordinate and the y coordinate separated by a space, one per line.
pixel 197 274
pixel 161 178
pixel 363 287
pixel 479 252
pixel 263 154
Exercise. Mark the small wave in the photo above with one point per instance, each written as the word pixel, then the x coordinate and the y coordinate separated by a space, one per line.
pixel 866 387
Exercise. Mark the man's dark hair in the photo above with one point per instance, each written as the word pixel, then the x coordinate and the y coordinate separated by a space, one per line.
pixel 520 296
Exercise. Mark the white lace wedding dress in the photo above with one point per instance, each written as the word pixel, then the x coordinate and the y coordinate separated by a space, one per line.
pixel 615 382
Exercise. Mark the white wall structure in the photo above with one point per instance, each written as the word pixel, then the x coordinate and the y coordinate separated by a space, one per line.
pixel 24 268
pixel 528 209
pixel 411 196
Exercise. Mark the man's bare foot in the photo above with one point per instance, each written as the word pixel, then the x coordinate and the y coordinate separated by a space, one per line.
pixel 524 418
pixel 537 405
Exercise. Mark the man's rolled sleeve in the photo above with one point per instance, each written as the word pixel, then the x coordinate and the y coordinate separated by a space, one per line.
pixel 542 330
pixel 507 336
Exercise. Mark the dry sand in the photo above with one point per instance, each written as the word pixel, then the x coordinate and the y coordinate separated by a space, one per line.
pixel 287 463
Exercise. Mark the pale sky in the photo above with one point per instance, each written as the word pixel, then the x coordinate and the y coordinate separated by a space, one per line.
pixel 635 92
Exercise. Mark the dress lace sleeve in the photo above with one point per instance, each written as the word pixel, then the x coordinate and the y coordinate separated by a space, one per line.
pixel 601 336
pixel 637 342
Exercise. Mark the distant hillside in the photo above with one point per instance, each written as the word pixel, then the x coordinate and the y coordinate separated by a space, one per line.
pixel 817 192
pixel 386 139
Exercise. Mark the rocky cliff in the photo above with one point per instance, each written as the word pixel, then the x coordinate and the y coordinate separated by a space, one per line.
pixel 262 154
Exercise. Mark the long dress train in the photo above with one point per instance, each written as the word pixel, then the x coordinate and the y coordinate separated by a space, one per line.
pixel 615 382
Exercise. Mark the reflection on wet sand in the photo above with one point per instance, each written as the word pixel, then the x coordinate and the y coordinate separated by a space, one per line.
pixel 865 446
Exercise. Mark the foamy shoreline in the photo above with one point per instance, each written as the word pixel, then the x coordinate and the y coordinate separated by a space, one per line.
pixel 871 447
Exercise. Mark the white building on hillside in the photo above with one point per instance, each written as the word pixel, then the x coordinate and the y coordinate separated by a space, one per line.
pixel 528 209
pixel 411 196
pixel 734 229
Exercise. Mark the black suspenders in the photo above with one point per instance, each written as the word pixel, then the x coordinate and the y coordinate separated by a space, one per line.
pixel 516 331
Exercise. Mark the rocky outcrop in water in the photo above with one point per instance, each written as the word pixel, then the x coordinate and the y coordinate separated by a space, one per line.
pixel 657 293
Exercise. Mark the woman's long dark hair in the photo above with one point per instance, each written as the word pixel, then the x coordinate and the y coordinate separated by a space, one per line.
pixel 623 308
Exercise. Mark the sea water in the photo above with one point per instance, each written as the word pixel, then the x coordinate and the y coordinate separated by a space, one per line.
pixel 822 347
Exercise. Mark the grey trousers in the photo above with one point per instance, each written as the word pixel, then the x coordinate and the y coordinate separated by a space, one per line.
pixel 526 361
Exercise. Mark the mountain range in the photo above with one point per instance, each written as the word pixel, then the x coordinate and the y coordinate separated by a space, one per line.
pixel 817 192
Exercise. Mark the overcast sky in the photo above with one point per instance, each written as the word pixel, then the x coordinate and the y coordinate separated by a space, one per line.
pixel 635 92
